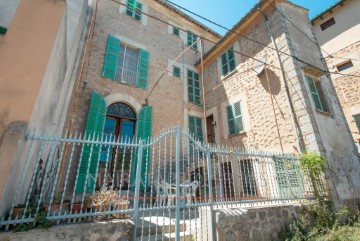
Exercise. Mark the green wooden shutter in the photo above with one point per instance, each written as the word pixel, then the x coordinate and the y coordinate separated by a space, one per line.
pixel 314 93
pixel 238 117
pixel 91 153
pixel 143 131
pixel 131 7
pixel 230 120
pixel 143 69
pixel 111 57
pixel 195 127
pixel 288 178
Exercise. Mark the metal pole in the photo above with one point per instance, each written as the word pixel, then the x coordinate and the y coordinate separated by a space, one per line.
pixel 283 77
pixel 212 221
pixel 177 177
pixel 137 187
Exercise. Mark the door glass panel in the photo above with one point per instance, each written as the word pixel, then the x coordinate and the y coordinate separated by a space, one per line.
pixel 109 135
pixel 127 129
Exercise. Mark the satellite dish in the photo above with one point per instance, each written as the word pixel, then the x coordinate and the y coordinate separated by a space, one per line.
pixel 259 66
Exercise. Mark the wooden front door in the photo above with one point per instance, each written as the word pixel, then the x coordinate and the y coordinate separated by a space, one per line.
pixel 210 129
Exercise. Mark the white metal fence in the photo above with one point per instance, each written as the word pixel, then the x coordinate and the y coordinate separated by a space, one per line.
pixel 160 183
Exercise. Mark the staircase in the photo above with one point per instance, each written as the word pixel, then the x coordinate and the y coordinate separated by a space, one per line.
pixel 160 228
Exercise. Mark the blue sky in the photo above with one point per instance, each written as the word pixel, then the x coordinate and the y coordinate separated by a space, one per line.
pixel 229 12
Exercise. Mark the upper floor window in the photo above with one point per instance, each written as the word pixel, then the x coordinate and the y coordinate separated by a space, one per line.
pixel 327 24
pixel 235 118
pixel 317 94
pixel 194 90
pixel 134 9
pixel 176 71
pixel 228 61
pixel 191 38
pixel 126 64
pixel 3 30
pixel 195 127
pixel 344 66
pixel 176 31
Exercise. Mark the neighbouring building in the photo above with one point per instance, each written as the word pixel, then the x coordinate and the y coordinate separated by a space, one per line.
pixel 338 34
pixel 40 49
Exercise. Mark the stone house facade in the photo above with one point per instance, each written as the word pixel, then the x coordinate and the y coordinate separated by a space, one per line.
pixel 249 102
pixel 133 85
pixel 338 34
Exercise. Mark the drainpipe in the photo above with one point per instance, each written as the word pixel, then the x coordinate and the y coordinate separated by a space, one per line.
pixel 299 142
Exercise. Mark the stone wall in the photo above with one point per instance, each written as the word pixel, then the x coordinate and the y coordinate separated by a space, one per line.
pixel 116 230
pixel 258 224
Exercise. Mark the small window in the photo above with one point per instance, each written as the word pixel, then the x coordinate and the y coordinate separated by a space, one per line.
pixel 327 24
pixel 176 71
pixel 317 94
pixel 191 38
pixel 357 120
pixel 195 127
pixel 176 31
pixel 235 118
pixel 3 30
pixel 228 62
pixel 344 66
pixel 194 90
pixel 134 9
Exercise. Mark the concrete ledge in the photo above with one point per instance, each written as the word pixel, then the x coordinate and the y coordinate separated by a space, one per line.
pixel 114 230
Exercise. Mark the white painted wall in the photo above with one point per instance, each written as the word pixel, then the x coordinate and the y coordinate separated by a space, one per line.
pixel 7 11
pixel 346 30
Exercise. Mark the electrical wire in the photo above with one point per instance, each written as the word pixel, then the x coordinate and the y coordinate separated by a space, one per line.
pixel 253 40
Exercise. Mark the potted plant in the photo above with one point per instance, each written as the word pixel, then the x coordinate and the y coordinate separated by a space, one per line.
pixel 106 199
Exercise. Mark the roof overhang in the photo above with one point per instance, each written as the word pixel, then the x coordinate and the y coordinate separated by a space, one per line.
pixel 249 20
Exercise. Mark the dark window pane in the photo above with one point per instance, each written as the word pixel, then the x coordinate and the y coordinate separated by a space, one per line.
pixel 327 24
pixel 345 66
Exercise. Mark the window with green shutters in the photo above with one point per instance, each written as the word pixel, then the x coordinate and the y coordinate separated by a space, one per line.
pixel 176 71
pixel 143 131
pixel 317 94
pixel 90 155
pixel 125 64
pixel 191 38
pixel 3 30
pixel 195 127
pixel 235 118
pixel 194 89
pixel 176 31
pixel 134 9
pixel 228 61
pixel 357 121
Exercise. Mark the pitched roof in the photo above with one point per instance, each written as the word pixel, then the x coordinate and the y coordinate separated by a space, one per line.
pixel 187 17
pixel 320 15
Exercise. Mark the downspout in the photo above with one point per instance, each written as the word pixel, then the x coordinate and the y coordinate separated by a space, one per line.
pixel 299 142
pixel 203 89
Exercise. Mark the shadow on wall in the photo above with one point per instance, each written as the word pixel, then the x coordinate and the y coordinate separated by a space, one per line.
pixel 270 82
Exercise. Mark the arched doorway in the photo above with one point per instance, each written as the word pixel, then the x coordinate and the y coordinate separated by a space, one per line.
pixel 120 124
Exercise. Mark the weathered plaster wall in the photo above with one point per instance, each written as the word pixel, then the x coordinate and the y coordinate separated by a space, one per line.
pixel 31 72
pixel 346 30
pixel 115 230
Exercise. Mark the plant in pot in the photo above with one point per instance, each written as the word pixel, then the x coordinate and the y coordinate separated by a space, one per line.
pixel 107 199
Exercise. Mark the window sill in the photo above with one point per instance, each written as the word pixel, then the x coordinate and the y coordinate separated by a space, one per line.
pixel 228 75
pixel 242 133
pixel 324 113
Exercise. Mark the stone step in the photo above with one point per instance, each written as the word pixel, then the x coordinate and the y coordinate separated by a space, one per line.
pixel 184 236
pixel 153 228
